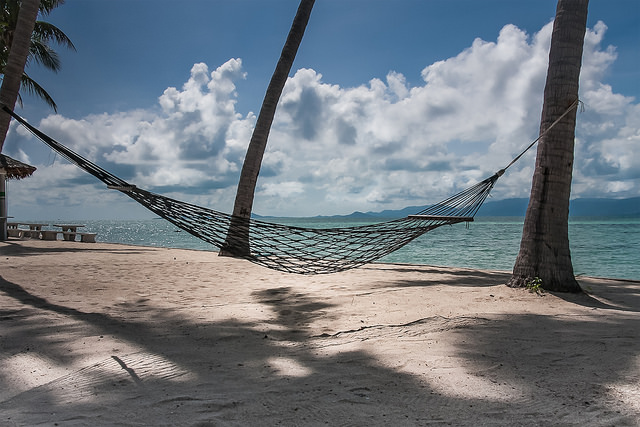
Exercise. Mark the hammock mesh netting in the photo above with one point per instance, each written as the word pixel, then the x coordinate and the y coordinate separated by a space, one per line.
pixel 288 248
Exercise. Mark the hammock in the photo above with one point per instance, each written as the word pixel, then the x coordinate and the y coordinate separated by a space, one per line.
pixel 288 248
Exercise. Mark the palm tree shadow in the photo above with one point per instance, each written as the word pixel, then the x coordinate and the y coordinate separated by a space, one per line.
pixel 200 372
pixel 294 310
pixel 444 276
pixel 558 362
pixel 203 372
pixel 605 294
pixel 10 248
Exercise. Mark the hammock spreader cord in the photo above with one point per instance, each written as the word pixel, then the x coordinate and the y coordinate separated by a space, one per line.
pixel 571 107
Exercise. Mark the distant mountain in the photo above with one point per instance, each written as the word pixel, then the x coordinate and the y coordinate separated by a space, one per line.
pixel 605 207
pixel 400 213
pixel 578 207
pixel 518 207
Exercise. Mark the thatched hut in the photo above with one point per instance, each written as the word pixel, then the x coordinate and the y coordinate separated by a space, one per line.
pixel 9 169
pixel 14 169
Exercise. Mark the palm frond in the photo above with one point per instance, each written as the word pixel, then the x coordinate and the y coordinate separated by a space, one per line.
pixel 40 51
pixel 46 6
pixel 33 88
pixel 47 32
pixel 44 55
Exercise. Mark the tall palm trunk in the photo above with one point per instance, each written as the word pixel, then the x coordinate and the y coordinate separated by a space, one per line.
pixel 544 249
pixel 16 61
pixel 237 241
pixel 11 80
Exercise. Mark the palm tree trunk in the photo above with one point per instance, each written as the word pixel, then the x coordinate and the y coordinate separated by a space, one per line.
pixel 16 61
pixel 237 242
pixel 544 248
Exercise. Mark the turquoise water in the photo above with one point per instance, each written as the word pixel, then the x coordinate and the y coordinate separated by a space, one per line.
pixel 601 247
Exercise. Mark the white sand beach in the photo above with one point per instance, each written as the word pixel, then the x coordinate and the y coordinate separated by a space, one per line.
pixel 104 334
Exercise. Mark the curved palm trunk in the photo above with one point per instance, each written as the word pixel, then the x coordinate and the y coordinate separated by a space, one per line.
pixel 544 248
pixel 237 242
pixel 11 85
pixel 16 61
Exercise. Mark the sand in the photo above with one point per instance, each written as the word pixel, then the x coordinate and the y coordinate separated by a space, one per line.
pixel 105 334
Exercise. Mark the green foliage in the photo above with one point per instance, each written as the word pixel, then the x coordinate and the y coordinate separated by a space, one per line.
pixel 41 52
pixel 535 286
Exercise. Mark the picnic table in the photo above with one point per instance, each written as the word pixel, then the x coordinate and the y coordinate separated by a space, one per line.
pixel 35 231
pixel 69 230
pixel 34 228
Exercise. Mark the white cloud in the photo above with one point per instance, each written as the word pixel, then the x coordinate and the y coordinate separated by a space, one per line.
pixel 381 145
pixel 283 189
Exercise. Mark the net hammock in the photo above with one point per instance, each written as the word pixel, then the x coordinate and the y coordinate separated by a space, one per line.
pixel 289 248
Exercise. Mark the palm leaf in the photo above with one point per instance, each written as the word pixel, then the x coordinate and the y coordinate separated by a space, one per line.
pixel 42 54
pixel 33 88
pixel 47 32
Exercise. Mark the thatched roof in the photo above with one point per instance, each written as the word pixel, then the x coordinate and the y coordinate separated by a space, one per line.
pixel 15 169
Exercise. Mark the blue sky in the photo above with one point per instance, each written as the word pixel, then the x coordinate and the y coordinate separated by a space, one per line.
pixel 389 103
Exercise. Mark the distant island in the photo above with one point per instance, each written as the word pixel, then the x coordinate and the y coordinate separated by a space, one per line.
pixel 517 207
pixel 578 207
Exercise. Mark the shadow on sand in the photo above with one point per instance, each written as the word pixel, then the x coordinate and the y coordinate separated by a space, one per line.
pixel 232 372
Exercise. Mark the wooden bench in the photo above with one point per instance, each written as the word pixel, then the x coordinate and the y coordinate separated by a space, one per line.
pixel 49 235
pixel 15 232
pixel 34 234
pixel 23 233
pixel 88 237
pixel 84 237
pixel 34 230
pixel 68 235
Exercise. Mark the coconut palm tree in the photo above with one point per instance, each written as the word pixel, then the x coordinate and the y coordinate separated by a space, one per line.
pixel 544 254
pixel 16 60
pixel 40 51
pixel 237 241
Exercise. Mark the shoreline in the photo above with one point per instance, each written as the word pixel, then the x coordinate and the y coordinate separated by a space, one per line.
pixel 104 333
pixel 393 263
pixel 490 245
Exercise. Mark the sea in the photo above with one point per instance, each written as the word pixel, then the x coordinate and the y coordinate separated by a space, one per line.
pixel 600 246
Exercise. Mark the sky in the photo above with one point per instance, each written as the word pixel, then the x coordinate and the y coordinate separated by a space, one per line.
pixel 389 104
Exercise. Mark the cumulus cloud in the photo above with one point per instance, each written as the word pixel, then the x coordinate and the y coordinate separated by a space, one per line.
pixel 381 145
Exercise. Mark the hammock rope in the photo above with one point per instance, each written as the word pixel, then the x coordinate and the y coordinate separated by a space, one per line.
pixel 288 248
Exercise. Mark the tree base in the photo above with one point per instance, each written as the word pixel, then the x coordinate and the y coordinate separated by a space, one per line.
pixel 519 281
pixel 237 251
pixel 571 286
pixel 231 253
pixel 224 252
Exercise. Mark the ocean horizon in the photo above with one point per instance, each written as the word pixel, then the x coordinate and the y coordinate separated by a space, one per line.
pixel 600 246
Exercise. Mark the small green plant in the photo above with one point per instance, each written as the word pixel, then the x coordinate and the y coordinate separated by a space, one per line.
pixel 535 285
